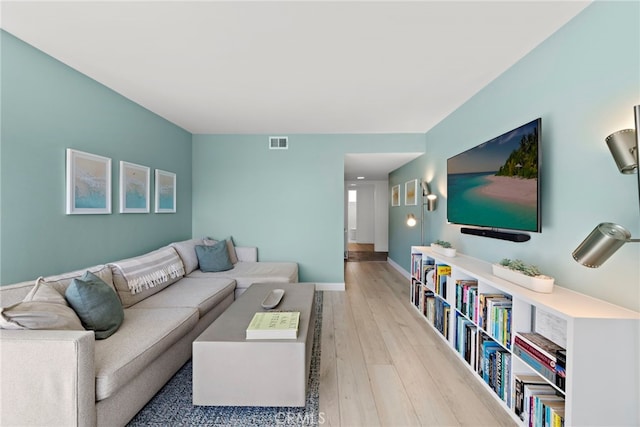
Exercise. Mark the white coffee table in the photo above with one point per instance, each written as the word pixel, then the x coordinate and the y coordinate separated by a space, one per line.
pixel 229 370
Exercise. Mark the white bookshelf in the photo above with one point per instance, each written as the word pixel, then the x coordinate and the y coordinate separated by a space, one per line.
pixel 602 342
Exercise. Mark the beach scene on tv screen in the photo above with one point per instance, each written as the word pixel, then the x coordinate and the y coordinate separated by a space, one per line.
pixel 496 183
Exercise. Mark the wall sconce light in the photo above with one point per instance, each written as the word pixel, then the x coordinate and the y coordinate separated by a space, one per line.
pixel 608 237
pixel 622 145
pixel 429 202
pixel 411 220
pixel 429 199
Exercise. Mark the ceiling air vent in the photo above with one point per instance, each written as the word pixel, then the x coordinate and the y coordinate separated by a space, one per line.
pixel 278 142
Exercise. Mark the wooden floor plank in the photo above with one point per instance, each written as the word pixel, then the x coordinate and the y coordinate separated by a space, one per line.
pixel 329 406
pixel 392 402
pixel 357 406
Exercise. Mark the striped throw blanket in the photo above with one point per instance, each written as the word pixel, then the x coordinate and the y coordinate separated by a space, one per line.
pixel 152 269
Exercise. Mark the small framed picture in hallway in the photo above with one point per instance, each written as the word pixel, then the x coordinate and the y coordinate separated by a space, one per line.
pixel 395 195
pixel 410 192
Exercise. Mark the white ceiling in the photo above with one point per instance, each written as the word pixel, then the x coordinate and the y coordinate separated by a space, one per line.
pixel 374 166
pixel 294 66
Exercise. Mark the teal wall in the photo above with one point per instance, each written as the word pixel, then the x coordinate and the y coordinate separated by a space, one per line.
pixel 583 81
pixel 46 108
pixel 402 237
pixel 288 203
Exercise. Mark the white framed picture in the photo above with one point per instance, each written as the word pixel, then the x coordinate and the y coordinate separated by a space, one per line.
pixel 395 195
pixel 88 183
pixel 135 181
pixel 411 192
pixel 165 194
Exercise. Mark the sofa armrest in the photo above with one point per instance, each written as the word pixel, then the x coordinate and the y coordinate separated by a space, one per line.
pixel 247 253
pixel 48 378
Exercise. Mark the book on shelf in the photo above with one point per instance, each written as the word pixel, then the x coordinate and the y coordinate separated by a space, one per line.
pixel 482 307
pixel 561 368
pixel 483 341
pixel 535 364
pixel 416 265
pixel 497 319
pixel 554 413
pixel 428 265
pixel 443 272
pixel 470 343
pixel 541 405
pixel 441 317
pixel 466 295
pixel 530 393
pixel 464 328
pixel 493 365
pixel 519 382
pixel 542 343
pixel 425 296
pixel 273 325
pixel 430 306
pixel 543 355
pixel 414 292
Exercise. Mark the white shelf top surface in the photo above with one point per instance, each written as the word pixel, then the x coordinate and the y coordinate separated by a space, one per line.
pixel 562 301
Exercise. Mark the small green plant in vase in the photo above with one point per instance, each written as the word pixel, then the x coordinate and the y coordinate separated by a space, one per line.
pixel 443 248
pixel 523 274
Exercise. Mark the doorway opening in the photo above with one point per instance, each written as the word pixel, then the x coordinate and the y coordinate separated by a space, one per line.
pixel 360 226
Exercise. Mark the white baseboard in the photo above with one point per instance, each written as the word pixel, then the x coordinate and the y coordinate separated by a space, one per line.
pixel 329 286
pixel 397 266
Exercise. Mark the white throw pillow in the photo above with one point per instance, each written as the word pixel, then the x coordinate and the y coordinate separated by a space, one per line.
pixel 42 308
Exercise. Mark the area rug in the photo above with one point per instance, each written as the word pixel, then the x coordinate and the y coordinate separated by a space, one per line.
pixel 172 405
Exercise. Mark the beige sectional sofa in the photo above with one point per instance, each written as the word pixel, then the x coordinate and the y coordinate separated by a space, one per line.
pixel 67 377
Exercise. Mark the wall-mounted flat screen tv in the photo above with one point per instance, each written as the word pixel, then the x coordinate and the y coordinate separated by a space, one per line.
pixel 497 184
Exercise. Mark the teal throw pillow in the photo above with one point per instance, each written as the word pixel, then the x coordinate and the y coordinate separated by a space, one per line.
pixel 96 304
pixel 214 258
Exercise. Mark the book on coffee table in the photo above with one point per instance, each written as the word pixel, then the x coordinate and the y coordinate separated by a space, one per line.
pixel 274 325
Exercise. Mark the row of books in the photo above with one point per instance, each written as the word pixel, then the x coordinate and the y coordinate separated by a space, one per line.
pixel 416 266
pixel 536 403
pixel 543 355
pixel 414 292
pixel 494 366
pixel 435 276
pixel 421 296
pixel 494 316
pixel 467 298
pixel 438 314
pixel 465 342
pixel 491 312
pixel 435 309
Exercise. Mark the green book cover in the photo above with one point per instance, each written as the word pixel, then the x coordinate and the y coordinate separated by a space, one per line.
pixel 274 325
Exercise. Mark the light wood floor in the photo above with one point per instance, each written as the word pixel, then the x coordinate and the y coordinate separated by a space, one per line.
pixel 382 365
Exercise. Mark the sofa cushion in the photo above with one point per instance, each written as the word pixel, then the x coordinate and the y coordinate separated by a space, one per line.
pixel 42 308
pixel 202 293
pixel 187 252
pixel 247 273
pixel 62 281
pixel 214 258
pixel 96 304
pixel 231 247
pixel 140 277
pixel 144 335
